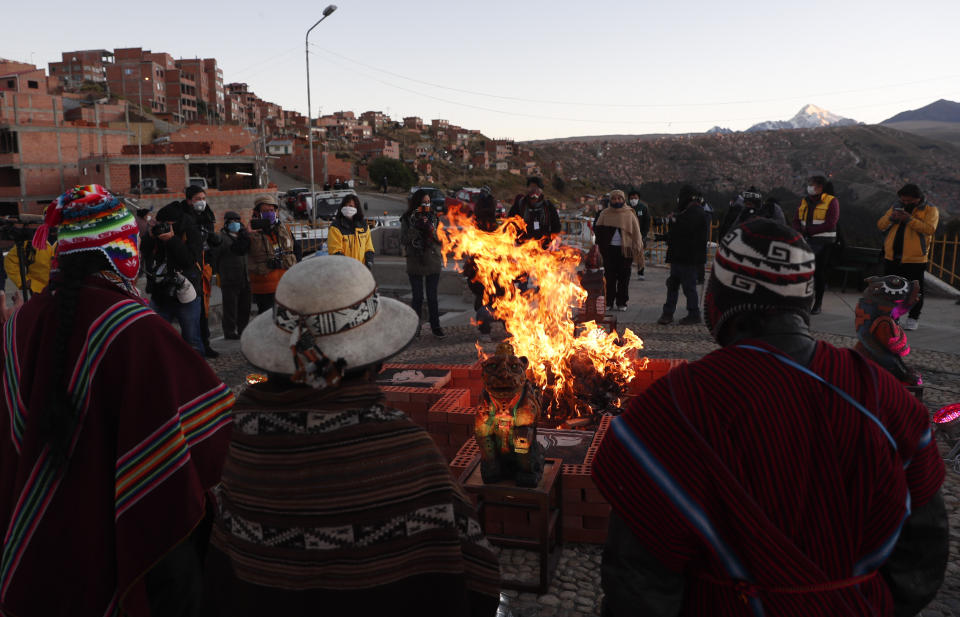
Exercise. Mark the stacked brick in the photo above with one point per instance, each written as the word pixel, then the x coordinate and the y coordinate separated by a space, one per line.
pixel 447 411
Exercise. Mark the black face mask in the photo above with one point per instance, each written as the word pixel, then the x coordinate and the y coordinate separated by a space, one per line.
pixel 616 204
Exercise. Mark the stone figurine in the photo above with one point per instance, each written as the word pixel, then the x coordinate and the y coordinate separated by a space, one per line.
pixel 506 423
pixel 881 338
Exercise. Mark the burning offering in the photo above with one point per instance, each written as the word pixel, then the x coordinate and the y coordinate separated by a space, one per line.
pixel 581 369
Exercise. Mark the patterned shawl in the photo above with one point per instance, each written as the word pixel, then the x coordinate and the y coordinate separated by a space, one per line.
pixel 330 500
pixel 151 436
pixel 778 484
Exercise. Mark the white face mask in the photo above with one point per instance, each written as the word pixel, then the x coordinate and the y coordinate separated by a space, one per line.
pixel 634 202
pixel 199 206
pixel 349 211
pixel 811 190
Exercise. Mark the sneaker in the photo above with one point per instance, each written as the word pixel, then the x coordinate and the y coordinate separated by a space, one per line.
pixel 210 352
pixel 910 323
pixel 816 310
pixel 665 320
pixel 641 277
pixel 610 308
pixel 690 320
pixel 622 309
pixel 438 332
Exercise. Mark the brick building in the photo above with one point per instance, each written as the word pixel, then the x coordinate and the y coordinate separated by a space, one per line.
pixel 77 67
pixel 376 119
pixel 138 78
pixel 379 147
pixel 211 104
pixel 413 122
pixel 39 148
pixel 325 164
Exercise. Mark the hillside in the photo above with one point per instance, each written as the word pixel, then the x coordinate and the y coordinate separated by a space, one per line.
pixel 938 111
pixel 867 163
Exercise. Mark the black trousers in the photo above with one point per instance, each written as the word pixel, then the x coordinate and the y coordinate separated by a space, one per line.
pixel 911 272
pixel 822 251
pixel 236 308
pixel 433 306
pixel 616 273
pixel 264 302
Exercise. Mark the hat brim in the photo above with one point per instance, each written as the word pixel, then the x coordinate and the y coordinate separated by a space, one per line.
pixel 267 347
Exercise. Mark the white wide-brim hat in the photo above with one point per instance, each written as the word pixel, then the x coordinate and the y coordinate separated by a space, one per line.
pixel 336 299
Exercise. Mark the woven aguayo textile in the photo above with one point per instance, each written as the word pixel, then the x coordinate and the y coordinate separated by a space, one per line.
pixel 152 432
pixel 332 504
pixel 741 468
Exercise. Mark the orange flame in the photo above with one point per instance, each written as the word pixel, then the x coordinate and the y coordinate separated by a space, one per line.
pixel 540 319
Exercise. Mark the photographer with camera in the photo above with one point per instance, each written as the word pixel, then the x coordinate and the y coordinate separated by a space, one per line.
pixel 909 226
pixel 172 254
pixel 230 264
pixel 540 218
pixel 271 251
pixel 418 235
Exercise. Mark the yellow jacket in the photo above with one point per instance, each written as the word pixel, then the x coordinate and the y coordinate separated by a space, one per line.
pixel 921 226
pixel 353 242
pixel 38 270
pixel 820 218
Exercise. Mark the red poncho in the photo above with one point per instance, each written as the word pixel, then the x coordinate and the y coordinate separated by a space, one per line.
pixel 739 467
pixel 151 437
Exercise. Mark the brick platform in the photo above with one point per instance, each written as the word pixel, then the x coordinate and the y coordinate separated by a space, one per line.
pixel 447 412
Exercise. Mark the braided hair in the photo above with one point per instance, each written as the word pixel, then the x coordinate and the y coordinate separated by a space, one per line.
pixel 60 413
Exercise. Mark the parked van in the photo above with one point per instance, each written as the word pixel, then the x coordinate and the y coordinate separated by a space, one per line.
pixel 197 181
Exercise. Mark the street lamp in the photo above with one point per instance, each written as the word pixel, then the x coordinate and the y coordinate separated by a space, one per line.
pixel 140 137
pixel 306 44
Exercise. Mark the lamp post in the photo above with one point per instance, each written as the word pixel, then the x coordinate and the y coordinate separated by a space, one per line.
pixel 140 137
pixel 306 44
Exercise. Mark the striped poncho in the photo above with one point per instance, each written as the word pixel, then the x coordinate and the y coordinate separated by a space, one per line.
pixel 152 432
pixel 768 491
pixel 332 504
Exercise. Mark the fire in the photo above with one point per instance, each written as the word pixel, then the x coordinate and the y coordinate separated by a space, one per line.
pixel 565 358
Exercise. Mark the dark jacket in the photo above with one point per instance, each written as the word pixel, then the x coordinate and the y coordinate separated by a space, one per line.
pixel 418 235
pixel 230 259
pixel 643 214
pixel 540 219
pixel 688 236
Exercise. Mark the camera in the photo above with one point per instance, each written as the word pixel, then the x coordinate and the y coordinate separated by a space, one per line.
pixel 260 224
pixel 160 228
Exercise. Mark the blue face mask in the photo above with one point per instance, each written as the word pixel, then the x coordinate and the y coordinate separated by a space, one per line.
pixel 234 226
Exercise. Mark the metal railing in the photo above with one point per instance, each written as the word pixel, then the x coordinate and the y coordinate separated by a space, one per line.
pixel 944 262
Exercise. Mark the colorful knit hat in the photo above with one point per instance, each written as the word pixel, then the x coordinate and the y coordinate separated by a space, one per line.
pixel 760 266
pixel 89 218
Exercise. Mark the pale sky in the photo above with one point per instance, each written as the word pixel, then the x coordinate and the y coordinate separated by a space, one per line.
pixel 532 69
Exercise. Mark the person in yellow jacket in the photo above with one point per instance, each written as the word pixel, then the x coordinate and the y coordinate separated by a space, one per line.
pixel 349 234
pixel 38 266
pixel 817 219
pixel 909 226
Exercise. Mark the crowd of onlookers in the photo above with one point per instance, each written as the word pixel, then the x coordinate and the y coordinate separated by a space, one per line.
pixel 133 481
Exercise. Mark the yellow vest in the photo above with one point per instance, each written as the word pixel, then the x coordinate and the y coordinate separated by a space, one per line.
pixel 819 214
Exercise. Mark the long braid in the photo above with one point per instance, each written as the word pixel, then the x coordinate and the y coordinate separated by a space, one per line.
pixel 60 413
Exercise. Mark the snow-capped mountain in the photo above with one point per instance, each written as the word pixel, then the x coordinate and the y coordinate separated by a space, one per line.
pixel 719 129
pixel 810 117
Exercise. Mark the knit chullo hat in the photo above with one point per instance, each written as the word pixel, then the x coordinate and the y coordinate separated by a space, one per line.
pixel 760 266
pixel 90 218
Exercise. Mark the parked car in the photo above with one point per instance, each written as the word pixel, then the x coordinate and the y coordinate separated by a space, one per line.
pixel 197 181
pixel 467 197
pixel 327 203
pixel 148 186
pixel 291 197
pixel 438 198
